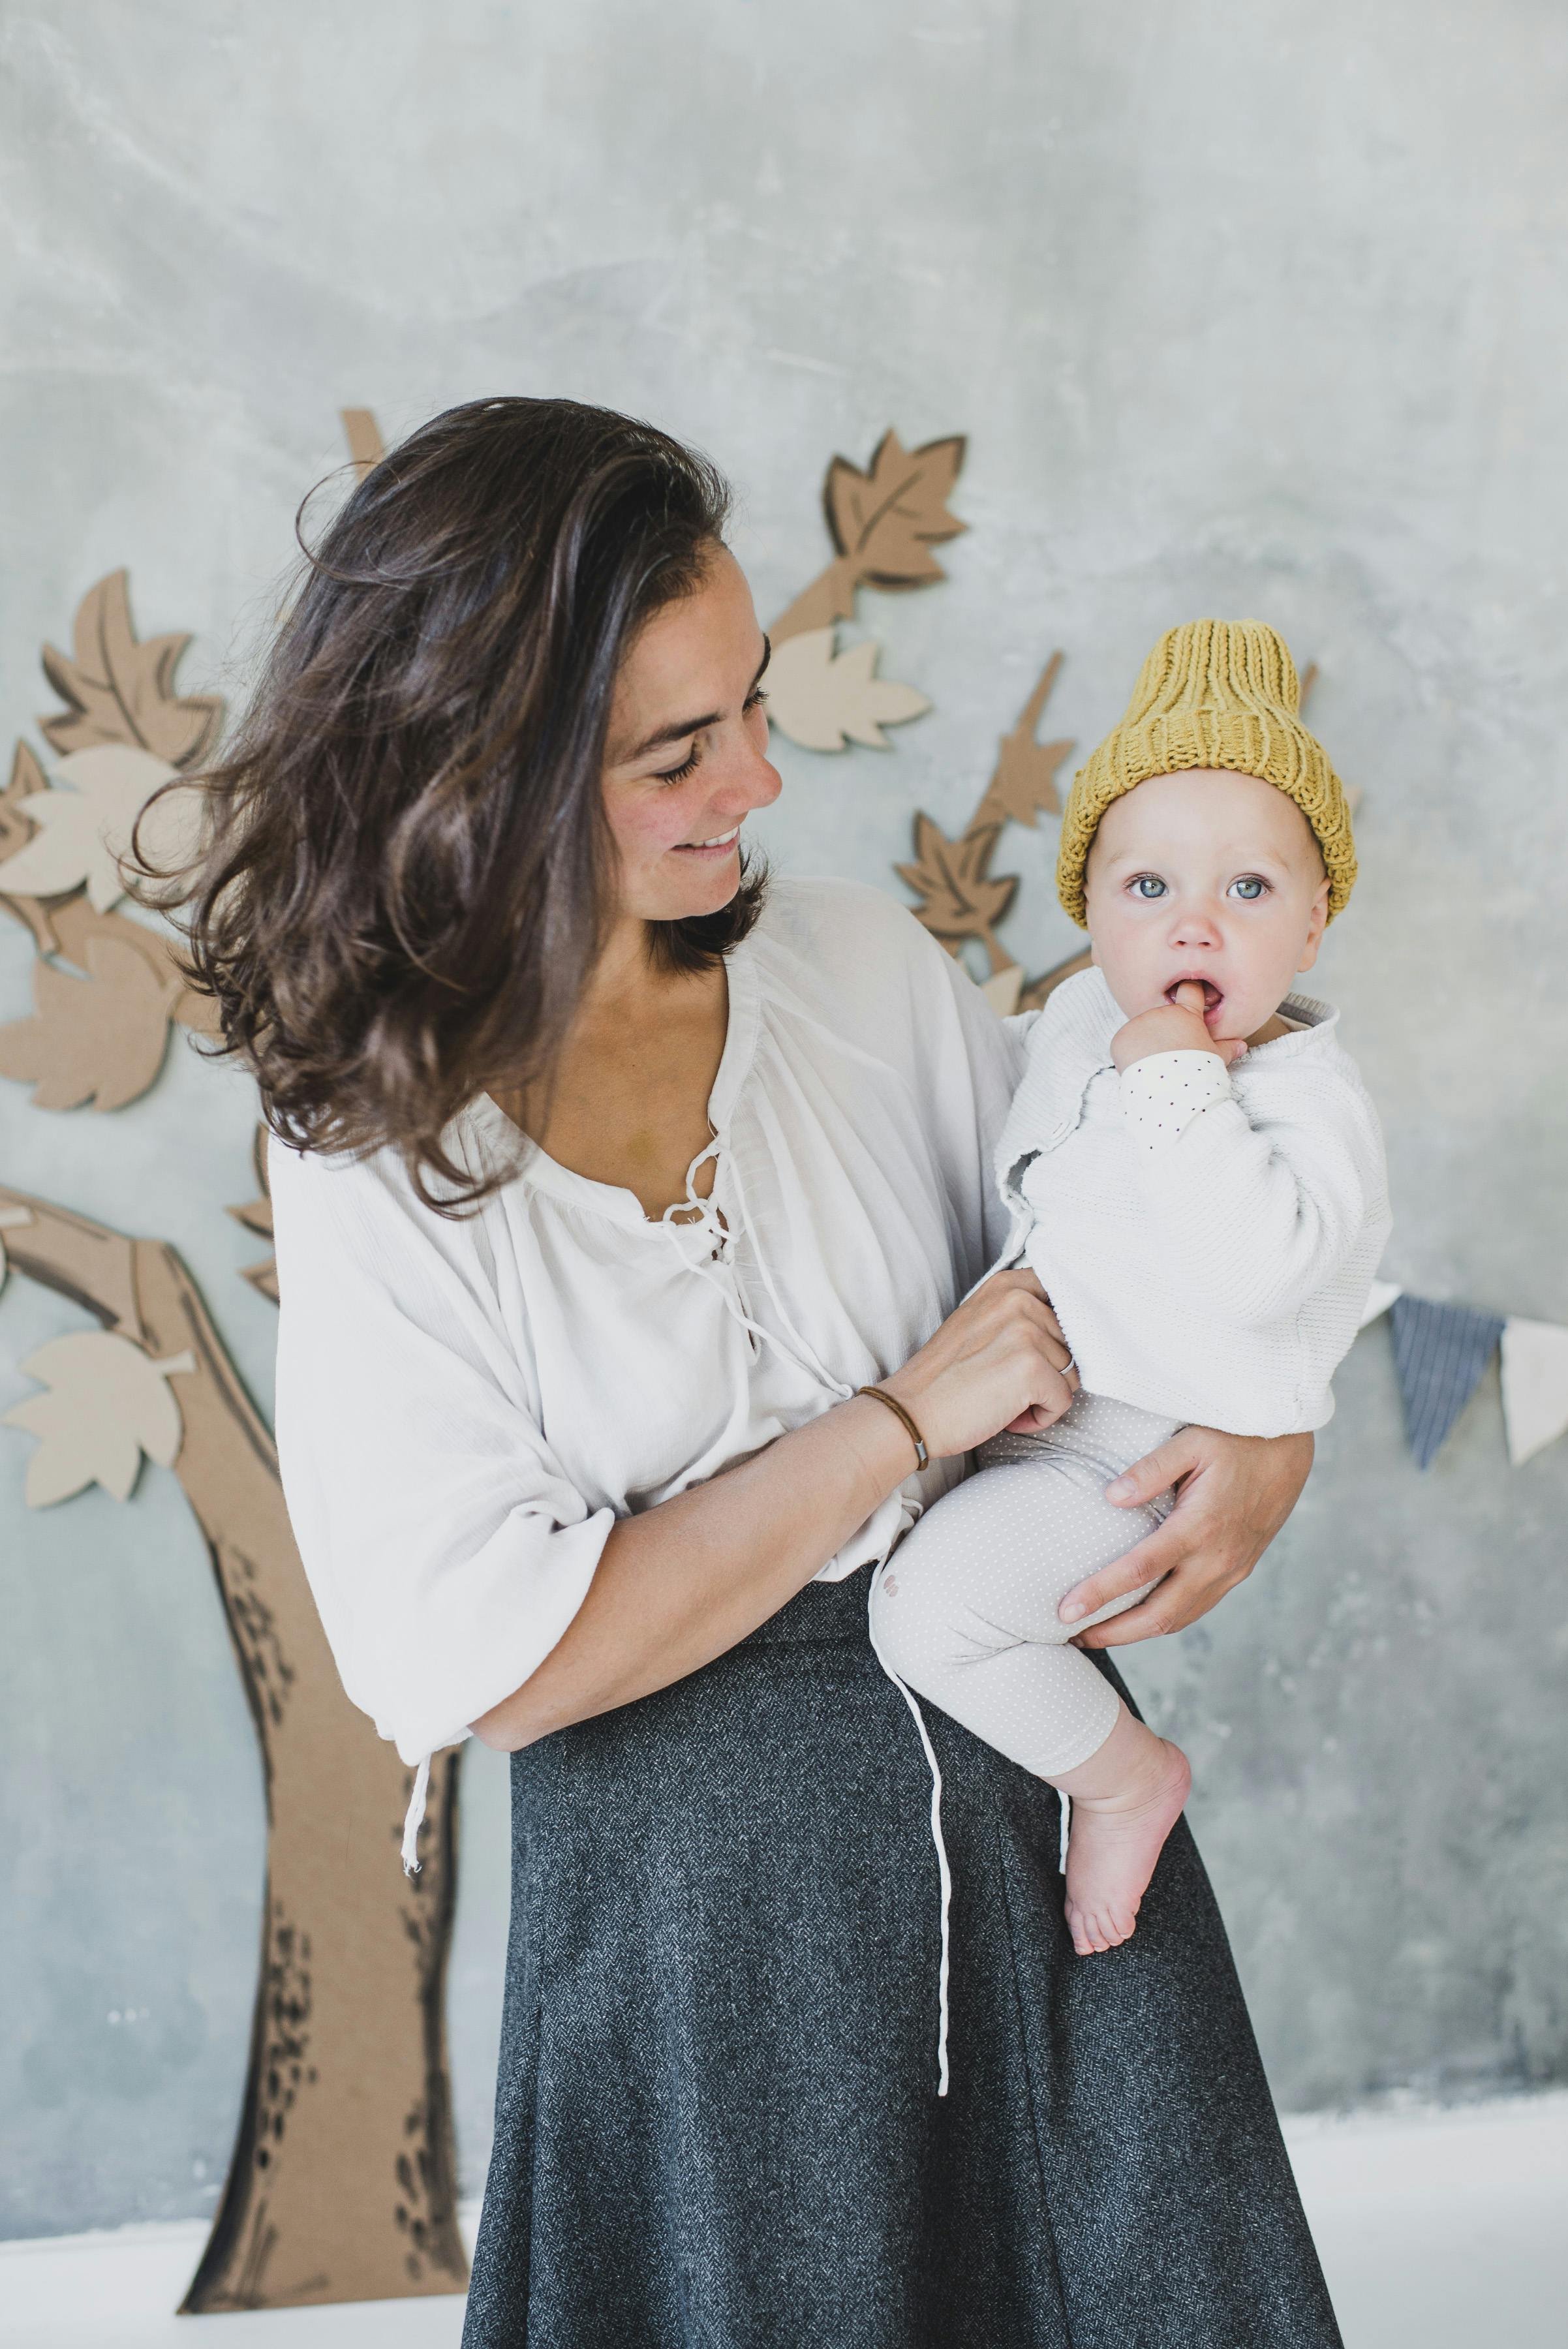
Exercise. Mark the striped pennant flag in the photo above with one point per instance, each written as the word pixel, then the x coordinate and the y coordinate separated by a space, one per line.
pixel 1439 1352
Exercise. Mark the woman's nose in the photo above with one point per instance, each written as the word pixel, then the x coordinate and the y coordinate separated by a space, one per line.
pixel 750 780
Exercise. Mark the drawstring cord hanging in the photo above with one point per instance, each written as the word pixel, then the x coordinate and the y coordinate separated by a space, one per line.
pixel 414 1818
pixel 944 1873
pixel 807 1356
pixel 704 1216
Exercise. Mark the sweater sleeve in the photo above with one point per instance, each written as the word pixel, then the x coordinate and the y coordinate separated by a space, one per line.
pixel 446 1550
pixel 1255 1218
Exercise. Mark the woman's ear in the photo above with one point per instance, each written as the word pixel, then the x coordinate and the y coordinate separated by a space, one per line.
pixel 1317 922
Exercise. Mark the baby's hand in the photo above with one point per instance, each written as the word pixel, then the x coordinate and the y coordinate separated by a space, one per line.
pixel 1178 1027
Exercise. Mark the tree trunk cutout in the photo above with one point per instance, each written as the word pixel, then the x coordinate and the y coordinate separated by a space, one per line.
pixel 342 2183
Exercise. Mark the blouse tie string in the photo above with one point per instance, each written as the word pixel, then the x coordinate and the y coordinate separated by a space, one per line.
pixel 705 1216
pixel 414 1818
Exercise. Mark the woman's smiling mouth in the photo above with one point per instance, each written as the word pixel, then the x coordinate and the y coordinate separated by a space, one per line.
pixel 720 846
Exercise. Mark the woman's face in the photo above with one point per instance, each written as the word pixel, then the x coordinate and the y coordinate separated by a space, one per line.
pixel 688 751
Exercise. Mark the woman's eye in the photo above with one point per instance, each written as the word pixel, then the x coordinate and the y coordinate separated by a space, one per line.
pixel 1248 887
pixel 754 700
pixel 1148 885
pixel 678 775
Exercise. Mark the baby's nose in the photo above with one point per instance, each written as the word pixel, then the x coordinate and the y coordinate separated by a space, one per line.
pixel 1196 925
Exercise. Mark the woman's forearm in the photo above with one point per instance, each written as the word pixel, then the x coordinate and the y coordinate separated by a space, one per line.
pixel 682 1583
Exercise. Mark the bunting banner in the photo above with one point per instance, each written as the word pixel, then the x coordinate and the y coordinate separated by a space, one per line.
pixel 1534 1386
pixel 1440 1353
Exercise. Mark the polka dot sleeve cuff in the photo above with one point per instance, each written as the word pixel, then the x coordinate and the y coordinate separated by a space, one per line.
pixel 1162 1093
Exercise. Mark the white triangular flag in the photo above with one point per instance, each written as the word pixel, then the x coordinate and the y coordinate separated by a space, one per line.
pixel 1379 1298
pixel 1534 1386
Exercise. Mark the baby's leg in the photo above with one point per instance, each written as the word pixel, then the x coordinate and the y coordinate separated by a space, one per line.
pixel 966 1613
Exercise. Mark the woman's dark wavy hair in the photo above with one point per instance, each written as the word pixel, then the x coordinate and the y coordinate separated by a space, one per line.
pixel 408 875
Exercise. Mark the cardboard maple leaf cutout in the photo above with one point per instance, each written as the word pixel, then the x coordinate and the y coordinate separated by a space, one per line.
pixel 886 519
pixel 100 1038
pixel 106 1405
pixel 85 819
pixel 1025 778
pixel 27 778
pixel 959 900
pixel 118 691
pixel 824 700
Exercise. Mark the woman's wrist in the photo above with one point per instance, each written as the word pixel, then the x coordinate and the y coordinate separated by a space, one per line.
pixel 879 1446
pixel 905 1418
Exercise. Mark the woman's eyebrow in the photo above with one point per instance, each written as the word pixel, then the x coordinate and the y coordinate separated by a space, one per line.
pixel 677 732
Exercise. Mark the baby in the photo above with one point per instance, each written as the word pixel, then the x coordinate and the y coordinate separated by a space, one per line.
pixel 1196 1175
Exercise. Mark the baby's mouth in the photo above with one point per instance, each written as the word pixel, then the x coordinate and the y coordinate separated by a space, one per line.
pixel 1213 996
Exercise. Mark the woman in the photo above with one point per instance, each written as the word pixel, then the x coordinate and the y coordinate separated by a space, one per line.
pixel 616 1184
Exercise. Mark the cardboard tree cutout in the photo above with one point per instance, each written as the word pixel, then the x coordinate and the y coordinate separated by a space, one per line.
pixel 343 2182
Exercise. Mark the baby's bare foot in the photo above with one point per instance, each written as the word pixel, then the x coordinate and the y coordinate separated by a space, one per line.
pixel 1114 1838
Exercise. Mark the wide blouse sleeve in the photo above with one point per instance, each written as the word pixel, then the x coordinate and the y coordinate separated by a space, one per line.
pixel 973 1073
pixel 446 1550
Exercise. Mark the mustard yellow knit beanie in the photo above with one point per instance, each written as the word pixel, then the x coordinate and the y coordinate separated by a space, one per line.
pixel 1215 693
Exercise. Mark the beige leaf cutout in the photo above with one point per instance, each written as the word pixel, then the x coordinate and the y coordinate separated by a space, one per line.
pixel 16 829
pixel 959 898
pixel 73 924
pixel 824 699
pixel 886 519
pixel 1024 780
pixel 100 1038
pixel 120 691
pixel 85 821
pixel 107 1403
pixel 11 1220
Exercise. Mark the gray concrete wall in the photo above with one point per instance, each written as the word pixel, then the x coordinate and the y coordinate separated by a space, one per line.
pixel 1247 308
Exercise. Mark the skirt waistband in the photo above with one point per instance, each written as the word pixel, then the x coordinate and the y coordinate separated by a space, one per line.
pixel 823 1610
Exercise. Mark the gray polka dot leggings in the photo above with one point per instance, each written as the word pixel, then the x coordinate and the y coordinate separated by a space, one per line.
pixel 965 1610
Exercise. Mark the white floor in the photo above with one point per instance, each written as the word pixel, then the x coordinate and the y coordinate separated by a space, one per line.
pixel 1442 2229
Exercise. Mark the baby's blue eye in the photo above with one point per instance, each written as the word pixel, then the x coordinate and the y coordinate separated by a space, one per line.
pixel 1248 887
pixel 1148 885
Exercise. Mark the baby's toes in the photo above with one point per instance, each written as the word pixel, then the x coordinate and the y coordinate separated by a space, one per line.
pixel 1088 1929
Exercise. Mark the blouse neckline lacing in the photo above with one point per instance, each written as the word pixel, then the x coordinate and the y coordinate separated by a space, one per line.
pixel 537 1171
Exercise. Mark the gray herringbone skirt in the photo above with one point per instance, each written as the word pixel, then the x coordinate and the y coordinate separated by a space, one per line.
pixel 717 2124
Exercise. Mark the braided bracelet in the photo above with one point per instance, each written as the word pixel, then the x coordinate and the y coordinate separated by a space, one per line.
pixel 922 1457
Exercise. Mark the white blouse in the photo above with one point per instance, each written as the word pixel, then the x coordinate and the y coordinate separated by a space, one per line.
pixel 465 1407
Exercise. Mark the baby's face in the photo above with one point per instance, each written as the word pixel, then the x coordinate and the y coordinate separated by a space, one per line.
pixel 1211 876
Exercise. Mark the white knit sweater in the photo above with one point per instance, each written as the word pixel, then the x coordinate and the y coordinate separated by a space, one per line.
pixel 1207 1235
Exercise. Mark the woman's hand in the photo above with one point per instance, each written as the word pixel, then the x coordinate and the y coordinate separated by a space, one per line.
pixel 1234 1493
pixel 1000 1360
